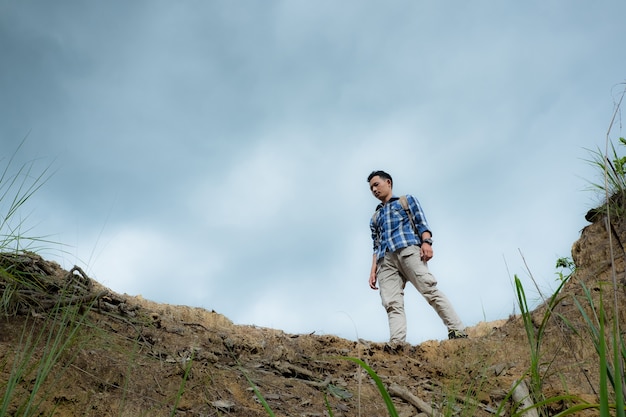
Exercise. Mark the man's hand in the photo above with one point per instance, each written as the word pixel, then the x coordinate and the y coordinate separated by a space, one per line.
pixel 373 273
pixel 427 252
pixel 373 281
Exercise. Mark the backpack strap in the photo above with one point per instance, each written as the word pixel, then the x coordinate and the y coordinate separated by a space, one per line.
pixel 404 202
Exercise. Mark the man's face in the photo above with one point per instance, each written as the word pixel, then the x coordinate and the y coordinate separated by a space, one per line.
pixel 381 188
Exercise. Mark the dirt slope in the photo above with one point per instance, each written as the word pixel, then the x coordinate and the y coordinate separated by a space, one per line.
pixel 134 357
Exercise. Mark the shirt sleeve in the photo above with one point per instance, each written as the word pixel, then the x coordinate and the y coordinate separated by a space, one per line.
pixel 418 216
pixel 374 232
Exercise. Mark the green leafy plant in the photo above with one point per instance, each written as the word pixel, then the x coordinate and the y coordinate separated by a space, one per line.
pixel 535 333
pixel 613 170
pixel 539 368
pixel 612 166
pixel 610 376
pixel 564 264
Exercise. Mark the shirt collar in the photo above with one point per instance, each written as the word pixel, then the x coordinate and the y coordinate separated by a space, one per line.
pixel 393 198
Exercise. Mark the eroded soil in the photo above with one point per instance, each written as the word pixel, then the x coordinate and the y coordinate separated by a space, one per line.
pixel 134 357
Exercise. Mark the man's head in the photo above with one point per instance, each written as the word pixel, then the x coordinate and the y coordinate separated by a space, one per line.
pixel 381 185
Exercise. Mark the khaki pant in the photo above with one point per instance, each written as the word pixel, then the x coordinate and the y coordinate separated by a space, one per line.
pixel 392 274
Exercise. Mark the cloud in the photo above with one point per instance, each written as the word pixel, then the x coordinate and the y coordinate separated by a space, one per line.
pixel 215 154
pixel 156 265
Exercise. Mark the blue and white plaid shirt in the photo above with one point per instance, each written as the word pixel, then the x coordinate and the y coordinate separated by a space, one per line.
pixel 391 228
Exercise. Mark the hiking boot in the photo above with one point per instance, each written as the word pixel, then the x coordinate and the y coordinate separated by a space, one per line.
pixel 395 347
pixel 457 334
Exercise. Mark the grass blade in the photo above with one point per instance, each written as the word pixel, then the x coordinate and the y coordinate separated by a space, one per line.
pixel 379 383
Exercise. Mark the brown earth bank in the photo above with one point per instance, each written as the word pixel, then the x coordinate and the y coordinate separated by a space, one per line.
pixel 133 357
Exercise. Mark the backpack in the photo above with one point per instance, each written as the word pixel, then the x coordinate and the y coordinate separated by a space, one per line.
pixel 404 202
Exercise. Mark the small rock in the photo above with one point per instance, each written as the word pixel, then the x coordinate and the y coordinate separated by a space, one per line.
pixel 223 405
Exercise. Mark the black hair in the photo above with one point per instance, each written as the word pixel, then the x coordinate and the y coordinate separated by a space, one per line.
pixel 381 174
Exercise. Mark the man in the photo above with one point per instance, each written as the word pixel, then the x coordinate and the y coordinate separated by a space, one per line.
pixel 401 251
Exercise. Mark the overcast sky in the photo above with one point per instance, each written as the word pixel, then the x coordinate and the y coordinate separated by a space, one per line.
pixel 215 153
